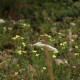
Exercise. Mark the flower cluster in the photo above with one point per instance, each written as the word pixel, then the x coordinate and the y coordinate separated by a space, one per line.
pixel 36 54
pixel 17 37
pixel 21 52
pixel 26 25
pixel 63 45
pixel 54 54
pixel 20 44
pixel 48 36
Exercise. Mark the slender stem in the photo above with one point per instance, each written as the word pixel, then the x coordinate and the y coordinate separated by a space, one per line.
pixel 48 60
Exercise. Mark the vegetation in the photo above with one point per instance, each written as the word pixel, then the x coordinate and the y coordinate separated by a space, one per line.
pixel 55 23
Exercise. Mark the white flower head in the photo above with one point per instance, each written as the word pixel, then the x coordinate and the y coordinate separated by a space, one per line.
pixel 39 44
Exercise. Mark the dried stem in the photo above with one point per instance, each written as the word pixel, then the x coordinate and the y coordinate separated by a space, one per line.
pixel 49 64
pixel 48 61
pixel 70 42
pixel 70 54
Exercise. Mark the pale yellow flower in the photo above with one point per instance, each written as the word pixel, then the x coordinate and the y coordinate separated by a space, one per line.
pixel 72 40
pixel 17 36
pixel 76 46
pixel 4 28
pixel 19 52
pixel 16 73
pixel 23 44
pixel 28 25
pixel 45 34
pixel 22 37
pixel 76 54
pixel 19 47
pixel 54 56
pixel 54 39
pixel 49 36
pixel 61 44
pixel 64 43
pixel 44 68
pixel 41 35
pixel 24 24
pixel 34 51
pixel 23 51
pixel 10 28
pixel 66 61
pixel 42 49
pixel 37 55
pixel 17 65
pixel 63 47
pixel 50 39
pixel 14 38
pixel 55 51
pixel 60 33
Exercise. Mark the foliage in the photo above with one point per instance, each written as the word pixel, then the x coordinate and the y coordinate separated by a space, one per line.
pixel 52 22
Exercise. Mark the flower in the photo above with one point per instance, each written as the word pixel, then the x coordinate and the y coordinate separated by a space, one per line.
pixel 72 40
pixel 60 33
pixel 17 65
pixel 22 37
pixel 16 37
pixel 34 51
pixel 37 54
pixel 10 28
pixel 66 61
pixel 40 44
pixel 42 48
pixel 55 51
pixel 45 34
pixel 54 56
pixel 63 44
pixel 50 39
pixel 76 54
pixel 4 28
pixel 16 73
pixel 23 44
pixel 63 47
pixel 76 46
pixel 26 25
pixel 49 36
pixel 19 47
pixel 23 51
pixel 19 52
pixel 44 68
